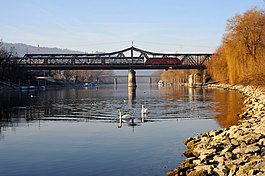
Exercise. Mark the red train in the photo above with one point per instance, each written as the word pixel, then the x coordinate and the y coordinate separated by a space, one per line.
pixel 164 61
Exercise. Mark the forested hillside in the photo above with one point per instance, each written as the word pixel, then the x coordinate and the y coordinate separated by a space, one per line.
pixel 22 49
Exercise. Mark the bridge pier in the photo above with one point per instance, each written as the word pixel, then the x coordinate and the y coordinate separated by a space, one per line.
pixel 197 79
pixel 202 74
pixel 131 78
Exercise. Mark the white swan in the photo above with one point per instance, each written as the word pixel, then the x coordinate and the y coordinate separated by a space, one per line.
pixel 144 110
pixel 125 117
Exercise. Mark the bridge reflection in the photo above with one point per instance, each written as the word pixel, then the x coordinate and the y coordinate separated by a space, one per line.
pixel 85 105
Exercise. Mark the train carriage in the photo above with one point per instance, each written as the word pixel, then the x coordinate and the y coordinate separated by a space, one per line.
pixel 163 61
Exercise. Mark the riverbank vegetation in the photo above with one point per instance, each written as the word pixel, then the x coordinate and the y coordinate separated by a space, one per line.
pixel 10 75
pixel 5 56
pixel 241 58
pixel 176 76
pixel 83 75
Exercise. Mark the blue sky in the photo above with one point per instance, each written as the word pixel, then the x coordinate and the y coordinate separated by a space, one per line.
pixel 108 25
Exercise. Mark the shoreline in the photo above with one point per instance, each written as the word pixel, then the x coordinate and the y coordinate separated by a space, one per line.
pixel 237 150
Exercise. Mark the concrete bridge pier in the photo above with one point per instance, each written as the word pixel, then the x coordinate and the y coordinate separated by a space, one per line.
pixel 131 78
pixel 201 76
pixel 197 79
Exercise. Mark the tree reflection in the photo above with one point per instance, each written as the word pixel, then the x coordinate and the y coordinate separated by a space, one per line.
pixel 228 107
pixel 101 105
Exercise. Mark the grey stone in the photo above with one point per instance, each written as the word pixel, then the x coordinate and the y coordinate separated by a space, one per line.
pixel 228 155
pixel 203 157
pixel 260 129
pixel 197 173
pixel 237 150
pixel 213 133
pixel 249 138
pixel 227 148
pixel 218 159
pixel 261 142
pixel 221 170
pixel 188 140
pixel 234 142
pixel 232 170
pixel 207 168
pixel 244 150
pixel 189 153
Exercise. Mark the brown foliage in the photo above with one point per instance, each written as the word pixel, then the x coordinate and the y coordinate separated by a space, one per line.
pixel 175 76
pixel 241 54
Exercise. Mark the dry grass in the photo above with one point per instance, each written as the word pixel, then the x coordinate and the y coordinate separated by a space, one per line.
pixel 254 80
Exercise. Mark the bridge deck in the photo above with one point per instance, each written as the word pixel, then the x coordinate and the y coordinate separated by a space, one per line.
pixel 130 58
pixel 110 67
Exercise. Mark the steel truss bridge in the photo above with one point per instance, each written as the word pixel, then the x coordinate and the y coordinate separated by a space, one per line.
pixel 129 58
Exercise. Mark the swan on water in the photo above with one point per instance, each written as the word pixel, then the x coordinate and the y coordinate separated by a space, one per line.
pixel 144 110
pixel 125 117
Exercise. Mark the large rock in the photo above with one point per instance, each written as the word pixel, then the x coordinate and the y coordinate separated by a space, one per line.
pixel 232 171
pixel 197 173
pixel 260 129
pixel 221 170
pixel 245 150
pixel 249 138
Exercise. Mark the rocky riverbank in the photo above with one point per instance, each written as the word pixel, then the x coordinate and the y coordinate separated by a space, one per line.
pixel 237 150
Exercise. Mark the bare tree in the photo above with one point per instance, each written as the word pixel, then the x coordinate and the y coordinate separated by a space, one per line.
pixel 5 56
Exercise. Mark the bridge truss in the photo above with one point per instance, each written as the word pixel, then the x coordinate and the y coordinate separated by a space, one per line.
pixel 129 58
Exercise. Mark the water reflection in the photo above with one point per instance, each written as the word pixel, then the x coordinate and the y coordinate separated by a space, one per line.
pixel 164 103
pixel 230 103
pixel 74 131
pixel 197 94
pixel 131 119
pixel 131 95
pixel 136 118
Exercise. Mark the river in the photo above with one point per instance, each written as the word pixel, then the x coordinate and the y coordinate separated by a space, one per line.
pixel 76 131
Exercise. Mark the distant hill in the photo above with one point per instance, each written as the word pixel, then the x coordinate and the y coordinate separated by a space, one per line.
pixel 23 49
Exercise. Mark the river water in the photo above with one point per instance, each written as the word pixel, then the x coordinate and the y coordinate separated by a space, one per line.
pixel 76 131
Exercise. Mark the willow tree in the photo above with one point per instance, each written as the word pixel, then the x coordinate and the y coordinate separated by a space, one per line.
pixel 248 29
pixel 217 66
pixel 242 50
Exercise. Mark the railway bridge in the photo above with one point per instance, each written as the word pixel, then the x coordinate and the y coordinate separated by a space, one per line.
pixel 131 59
